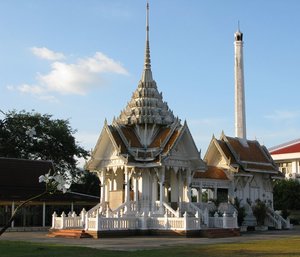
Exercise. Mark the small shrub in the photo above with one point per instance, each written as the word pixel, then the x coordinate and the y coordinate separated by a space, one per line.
pixel 241 211
pixel 260 212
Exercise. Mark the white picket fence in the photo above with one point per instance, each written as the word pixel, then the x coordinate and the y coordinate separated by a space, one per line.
pixel 224 221
pixel 142 222
pixel 69 221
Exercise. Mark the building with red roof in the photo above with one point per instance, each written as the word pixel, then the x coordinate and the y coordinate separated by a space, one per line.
pixel 287 157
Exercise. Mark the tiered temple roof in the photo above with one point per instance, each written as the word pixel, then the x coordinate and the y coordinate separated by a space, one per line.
pixel 146 105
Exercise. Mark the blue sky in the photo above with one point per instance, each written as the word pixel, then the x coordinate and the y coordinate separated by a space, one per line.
pixel 82 59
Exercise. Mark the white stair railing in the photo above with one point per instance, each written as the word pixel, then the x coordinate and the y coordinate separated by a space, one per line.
pixel 170 212
pixel 278 220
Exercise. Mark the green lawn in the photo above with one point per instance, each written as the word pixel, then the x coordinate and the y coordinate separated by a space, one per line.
pixel 275 248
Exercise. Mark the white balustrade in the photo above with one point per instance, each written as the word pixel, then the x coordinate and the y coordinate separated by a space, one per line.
pixel 115 220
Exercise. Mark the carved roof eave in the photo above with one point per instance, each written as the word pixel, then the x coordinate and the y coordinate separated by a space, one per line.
pixel 144 165
pixel 165 157
pixel 211 143
pixel 173 127
pixel 97 146
pixel 124 139
pixel 225 139
pixel 186 129
pixel 262 171
pixel 215 142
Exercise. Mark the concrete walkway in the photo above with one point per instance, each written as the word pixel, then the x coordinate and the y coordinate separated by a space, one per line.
pixel 147 242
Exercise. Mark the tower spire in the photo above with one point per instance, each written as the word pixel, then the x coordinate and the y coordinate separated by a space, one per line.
pixel 240 113
pixel 147 73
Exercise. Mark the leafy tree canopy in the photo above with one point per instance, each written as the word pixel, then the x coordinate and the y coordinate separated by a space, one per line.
pixel 287 195
pixel 35 136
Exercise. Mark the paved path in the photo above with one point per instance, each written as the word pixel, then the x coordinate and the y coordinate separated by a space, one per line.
pixel 146 242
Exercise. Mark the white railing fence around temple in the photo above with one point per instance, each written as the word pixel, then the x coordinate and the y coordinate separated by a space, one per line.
pixel 223 221
pixel 69 221
pixel 98 222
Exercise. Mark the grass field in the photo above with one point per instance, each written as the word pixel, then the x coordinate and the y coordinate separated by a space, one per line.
pixel 275 248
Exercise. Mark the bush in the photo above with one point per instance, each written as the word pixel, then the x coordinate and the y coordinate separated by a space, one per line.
pixel 241 211
pixel 260 212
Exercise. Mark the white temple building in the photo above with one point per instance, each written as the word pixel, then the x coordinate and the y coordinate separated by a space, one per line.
pixel 287 157
pixel 148 166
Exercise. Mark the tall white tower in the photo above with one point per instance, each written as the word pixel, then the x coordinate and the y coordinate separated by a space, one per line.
pixel 240 114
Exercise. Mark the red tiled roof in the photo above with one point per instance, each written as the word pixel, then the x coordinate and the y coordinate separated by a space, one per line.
pixel 212 172
pixel 251 153
pixel 293 148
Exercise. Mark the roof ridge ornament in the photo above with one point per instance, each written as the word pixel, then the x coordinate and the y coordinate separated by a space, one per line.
pixel 147 73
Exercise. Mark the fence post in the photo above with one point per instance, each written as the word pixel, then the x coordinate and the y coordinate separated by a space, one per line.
pixel 185 221
pixel 216 217
pixel 235 220
pixel 82 216
pixel 225 220
pixel 206 217
pixel 54 215
pixel 63 220
pixel 144 220
pixel 97 222
pixel 86 221
pixel 198 216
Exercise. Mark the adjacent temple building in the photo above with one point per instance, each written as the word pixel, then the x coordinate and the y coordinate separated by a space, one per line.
pixel 152 175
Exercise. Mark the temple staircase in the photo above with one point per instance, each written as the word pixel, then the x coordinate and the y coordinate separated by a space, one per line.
pixel 69 233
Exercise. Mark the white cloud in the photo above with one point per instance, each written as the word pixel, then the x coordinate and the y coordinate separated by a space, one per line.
pixel 70 78
pixel 283 115
pixel 79 77
pixel 45 53
pixel 32 89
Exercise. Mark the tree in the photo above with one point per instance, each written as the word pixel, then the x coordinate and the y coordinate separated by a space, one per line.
pixel 30 135
pixel 286 195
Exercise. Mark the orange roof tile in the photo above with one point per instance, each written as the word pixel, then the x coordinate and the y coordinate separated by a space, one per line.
pixel 171 141
pixel 160 137
pixel 252 153
pixel 227 151
pixel 212 172
pixel 131 136
pixel 117 138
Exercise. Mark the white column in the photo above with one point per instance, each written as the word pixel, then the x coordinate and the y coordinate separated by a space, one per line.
pixel 161 188
pixel 215 192
pixel 240 114
pixel 44 214
pixel 188 187
pixel 127 188
pixel 174 186
pixel 294 167
pixel 199 195
pixel 72 207
pixel 12 211
pixel 180 189
pixel 136 190
pixel 154 190
pixel 102 178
